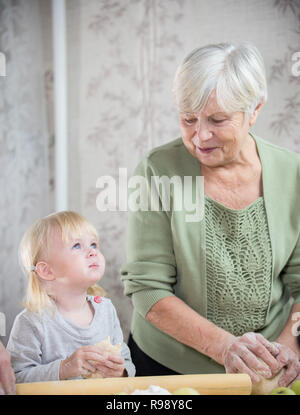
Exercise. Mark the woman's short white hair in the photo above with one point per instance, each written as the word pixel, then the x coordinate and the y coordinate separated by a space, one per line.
pixel 235 72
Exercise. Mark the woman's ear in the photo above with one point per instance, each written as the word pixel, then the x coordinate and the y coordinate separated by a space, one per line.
pixel 253 117
pixel 43 270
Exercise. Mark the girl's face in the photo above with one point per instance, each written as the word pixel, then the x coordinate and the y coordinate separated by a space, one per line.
pixel 76 264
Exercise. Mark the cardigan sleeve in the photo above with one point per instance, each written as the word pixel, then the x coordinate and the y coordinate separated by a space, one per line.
pixel 150 271
pixel 291 273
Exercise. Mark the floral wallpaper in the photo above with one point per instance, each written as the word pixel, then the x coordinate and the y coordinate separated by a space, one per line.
pixel 24 179
pixel 129 53
pixel 122 57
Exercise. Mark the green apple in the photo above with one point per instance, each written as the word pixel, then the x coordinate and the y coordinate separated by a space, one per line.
pixel 186 391
pixel 295 386
pixel 282 391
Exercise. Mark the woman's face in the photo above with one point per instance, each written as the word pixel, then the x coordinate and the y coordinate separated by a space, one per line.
pixel 213 136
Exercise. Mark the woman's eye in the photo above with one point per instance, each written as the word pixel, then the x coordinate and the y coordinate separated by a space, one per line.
pixel 76 246
pixel 189 121
pixel 217 121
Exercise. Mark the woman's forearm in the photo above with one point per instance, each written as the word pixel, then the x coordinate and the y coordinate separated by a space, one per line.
pixel 178 320
pixel 287 336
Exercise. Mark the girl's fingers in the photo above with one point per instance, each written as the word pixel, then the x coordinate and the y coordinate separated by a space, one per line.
pixel 84 371
pixel 116 359
pixel 98 357
pixel 88 365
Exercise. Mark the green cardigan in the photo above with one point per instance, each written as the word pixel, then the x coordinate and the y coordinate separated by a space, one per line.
pixel 166 254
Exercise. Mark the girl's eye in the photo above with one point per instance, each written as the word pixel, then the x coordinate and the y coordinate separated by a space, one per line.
pixel 76 246
pixel 94 245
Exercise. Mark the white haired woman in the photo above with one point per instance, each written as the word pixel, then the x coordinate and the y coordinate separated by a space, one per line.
pixel 219 294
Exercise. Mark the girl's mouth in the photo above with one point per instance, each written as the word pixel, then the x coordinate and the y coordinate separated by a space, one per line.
pixel 94 266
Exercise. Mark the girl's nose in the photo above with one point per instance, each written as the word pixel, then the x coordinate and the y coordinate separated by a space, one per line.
pixel 92 252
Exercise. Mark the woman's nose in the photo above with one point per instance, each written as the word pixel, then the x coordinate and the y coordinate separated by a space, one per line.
pixel 202 131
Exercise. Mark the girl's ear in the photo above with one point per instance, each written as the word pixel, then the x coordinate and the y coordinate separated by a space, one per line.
pixel 44 271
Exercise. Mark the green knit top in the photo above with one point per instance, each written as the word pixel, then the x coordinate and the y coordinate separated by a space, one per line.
pixel 238 266
pixel 241 269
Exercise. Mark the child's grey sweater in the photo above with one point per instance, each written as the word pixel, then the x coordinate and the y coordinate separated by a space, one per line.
pixel 38 344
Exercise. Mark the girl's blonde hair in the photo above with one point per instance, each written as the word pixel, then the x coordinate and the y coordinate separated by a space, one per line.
pixel 33 246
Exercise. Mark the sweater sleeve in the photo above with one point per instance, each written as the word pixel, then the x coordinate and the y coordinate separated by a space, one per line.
pixel 291 273
pixel 25 348
pixel 150 272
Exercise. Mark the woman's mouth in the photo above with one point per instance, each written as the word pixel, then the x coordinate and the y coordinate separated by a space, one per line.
pixel 206 150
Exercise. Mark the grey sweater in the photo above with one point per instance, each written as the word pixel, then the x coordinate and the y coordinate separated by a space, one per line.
pixel 38 344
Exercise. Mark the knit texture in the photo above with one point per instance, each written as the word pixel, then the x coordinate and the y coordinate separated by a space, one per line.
pixel 238 266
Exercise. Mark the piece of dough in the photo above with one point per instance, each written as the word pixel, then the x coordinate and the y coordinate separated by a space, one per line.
pixel 265 386
pixel 106 348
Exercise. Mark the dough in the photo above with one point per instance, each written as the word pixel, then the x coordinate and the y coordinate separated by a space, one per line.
pixel 265 386
pixel 106 349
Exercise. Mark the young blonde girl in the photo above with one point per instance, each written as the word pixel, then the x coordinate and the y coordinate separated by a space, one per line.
pixel 65 312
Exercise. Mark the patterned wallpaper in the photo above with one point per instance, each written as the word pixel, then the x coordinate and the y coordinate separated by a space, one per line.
pixel 122 56
pixel 24 143
pixel 128 53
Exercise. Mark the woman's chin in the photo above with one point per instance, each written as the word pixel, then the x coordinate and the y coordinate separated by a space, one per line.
pixel 209 161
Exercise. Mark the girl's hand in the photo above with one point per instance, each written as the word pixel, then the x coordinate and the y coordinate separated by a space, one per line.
pixel 288 359
pixel 112 366
pixel 79 363
pixel 252 354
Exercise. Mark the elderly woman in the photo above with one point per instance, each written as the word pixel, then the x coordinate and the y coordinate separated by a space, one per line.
pixel 218 294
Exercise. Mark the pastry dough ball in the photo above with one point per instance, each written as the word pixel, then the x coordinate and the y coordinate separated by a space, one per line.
pixel 106 348
pixel 265 386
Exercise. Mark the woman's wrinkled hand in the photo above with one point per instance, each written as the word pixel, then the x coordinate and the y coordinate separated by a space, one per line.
pixel 289 359
pixel 243 355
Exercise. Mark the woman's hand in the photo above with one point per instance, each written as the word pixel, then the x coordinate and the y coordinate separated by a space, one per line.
pixel 242 356
pixel 80 363
pixel 112 366
pixel 290 360
pixel 7 375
